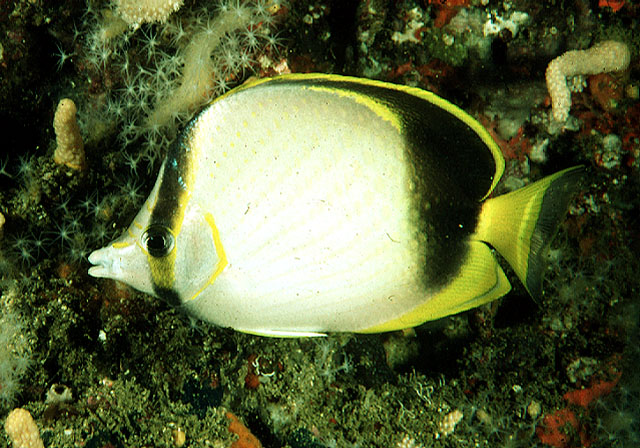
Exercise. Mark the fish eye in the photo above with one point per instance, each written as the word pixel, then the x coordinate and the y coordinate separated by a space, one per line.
pixel 158 241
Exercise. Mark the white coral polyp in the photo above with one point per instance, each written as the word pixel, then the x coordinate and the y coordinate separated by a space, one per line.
pixel 136 12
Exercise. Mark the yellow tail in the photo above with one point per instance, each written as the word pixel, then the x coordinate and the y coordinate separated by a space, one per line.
pixel 521 224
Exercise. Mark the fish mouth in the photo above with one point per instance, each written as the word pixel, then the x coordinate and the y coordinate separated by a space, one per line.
pixel 120 262
pixel 102 261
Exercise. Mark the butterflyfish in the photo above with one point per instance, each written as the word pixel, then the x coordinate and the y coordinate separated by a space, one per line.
pixel 310 203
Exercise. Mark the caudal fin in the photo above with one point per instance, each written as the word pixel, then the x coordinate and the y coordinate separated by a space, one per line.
pixel 521 224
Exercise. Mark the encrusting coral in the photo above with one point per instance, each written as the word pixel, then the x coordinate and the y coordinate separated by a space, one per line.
pixel 200 72
pixel 161 73
pixel 15 351
pixel 136 12
pixel 70 149
pixel 607 56
pixel 22 429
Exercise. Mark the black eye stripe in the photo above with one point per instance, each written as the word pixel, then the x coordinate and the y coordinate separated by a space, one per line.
pixel 158 241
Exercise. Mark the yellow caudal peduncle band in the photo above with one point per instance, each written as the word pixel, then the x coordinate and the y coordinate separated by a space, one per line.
pixel 222 256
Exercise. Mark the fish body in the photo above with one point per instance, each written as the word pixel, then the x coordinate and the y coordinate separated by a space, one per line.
pixel 306 204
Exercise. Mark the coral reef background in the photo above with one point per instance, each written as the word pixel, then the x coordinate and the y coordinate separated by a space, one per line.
pixel 99 365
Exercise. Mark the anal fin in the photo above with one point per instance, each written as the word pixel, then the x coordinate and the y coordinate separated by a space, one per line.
pixel 480 280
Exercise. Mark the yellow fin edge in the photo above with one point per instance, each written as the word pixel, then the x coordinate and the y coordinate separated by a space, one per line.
pixel 521 224
pixel 386 114
pixel 480 280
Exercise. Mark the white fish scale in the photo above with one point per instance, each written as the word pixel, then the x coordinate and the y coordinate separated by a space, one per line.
pixel 297 206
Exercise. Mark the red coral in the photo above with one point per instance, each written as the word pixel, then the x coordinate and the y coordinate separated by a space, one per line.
pixel 606 90
pixel 245 438
pixel 563 428
pixel 584 397
pixel 446 10
pixel 556 429
pixel 252 379
pixel 516 148
pixel 400 70
pixel 449 2
pixel 615 5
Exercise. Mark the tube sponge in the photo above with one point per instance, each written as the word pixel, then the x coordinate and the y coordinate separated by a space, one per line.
pixel 607 56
